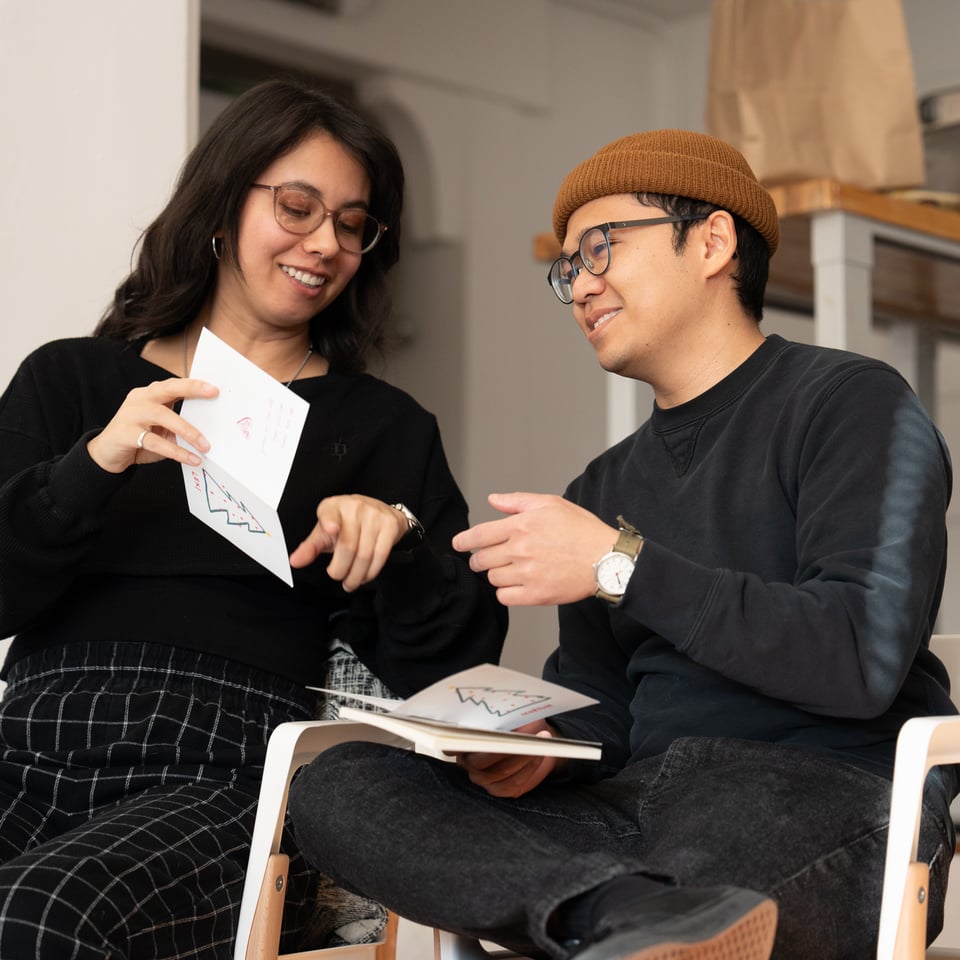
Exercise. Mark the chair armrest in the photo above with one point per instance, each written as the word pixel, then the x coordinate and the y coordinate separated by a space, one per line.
pixel 924 742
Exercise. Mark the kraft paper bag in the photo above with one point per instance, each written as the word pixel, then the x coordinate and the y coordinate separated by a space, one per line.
pixel 816 88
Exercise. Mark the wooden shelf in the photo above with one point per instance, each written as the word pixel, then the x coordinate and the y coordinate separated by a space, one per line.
pixel 812 196
pixel 545 247
pixel 907 283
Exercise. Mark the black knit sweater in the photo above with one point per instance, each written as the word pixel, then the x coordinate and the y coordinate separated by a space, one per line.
pixel 89 555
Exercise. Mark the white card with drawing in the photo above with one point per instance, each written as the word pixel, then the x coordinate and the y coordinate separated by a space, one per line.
pixel 253 426
pixel 485 697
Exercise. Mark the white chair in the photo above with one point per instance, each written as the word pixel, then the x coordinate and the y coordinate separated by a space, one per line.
pixel 924 742
pixel 261 909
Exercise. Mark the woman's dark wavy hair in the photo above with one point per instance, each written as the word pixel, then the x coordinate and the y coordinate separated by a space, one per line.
pixel 176 270
pixel 753 254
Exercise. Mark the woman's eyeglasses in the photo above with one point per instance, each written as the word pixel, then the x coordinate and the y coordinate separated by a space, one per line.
pixel 299 209
pixel 594 253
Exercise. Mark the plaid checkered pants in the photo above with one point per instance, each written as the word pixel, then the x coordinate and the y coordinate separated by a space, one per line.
pixel 129 778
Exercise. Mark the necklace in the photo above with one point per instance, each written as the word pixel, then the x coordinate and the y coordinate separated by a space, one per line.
pixel 303 362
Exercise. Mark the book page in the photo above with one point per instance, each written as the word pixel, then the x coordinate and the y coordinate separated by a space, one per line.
pixel 485 697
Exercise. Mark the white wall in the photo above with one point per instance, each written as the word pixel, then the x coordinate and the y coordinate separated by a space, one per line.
pixel 96 114
pixel 97 102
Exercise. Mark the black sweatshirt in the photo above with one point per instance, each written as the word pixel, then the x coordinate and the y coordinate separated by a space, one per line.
pixel 792 569
pixel 90 555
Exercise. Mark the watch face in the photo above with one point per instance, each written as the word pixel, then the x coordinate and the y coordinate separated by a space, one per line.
pixel 613 572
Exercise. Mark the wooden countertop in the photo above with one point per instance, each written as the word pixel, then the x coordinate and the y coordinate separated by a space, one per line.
pixel 813 196
pixel 908 284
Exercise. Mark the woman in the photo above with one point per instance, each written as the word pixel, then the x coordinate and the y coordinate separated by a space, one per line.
pixel 151 658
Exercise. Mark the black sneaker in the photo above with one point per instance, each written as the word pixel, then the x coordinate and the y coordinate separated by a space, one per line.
pixel 714 923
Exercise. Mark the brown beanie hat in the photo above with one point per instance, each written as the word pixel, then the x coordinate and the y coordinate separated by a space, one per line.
pixel 675 162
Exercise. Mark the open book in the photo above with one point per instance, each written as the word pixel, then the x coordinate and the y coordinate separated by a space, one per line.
pixel 476 711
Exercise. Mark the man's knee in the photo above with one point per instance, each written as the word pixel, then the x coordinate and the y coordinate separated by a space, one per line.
pixel 345 777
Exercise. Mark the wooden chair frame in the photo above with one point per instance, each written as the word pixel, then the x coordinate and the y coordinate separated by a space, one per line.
pixel 261 909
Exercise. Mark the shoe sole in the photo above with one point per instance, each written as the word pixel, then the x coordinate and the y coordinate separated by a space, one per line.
pixel 749 937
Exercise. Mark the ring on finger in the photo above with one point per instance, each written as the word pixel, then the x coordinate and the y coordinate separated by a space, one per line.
pixel 143 433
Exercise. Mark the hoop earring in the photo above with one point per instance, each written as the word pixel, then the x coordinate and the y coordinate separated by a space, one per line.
pixel 217 251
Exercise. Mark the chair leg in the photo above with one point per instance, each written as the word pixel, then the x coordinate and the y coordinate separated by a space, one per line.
pixel 264 942
pixel 387 949
pixel 912 934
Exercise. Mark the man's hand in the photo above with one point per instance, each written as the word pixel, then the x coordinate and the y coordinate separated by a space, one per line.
pixel 510 775
pixel 543 553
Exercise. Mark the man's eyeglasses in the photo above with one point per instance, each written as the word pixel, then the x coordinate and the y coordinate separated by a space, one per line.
pixel 299 209
pixel 594 253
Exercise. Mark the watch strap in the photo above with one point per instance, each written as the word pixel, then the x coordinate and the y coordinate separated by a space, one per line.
pixel 629 542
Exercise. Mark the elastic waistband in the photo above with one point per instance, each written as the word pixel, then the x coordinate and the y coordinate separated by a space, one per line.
pixel 159 662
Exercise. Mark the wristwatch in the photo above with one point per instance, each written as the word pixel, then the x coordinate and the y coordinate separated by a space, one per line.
pixel 415 531
pixel 613 569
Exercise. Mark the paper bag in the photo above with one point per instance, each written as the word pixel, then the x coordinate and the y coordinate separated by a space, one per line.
pixel 816 88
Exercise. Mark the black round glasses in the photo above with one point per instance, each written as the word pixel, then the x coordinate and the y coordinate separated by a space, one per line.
pixel 594 254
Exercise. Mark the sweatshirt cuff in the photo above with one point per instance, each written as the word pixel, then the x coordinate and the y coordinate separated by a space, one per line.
pixel 668 593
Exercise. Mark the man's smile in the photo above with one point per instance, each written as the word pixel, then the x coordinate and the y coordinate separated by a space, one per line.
pixel 594 322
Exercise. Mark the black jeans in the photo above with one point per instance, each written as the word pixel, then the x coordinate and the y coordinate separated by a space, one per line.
pixel 808 831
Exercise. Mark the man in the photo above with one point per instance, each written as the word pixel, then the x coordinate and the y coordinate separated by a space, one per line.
pixel 747 585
